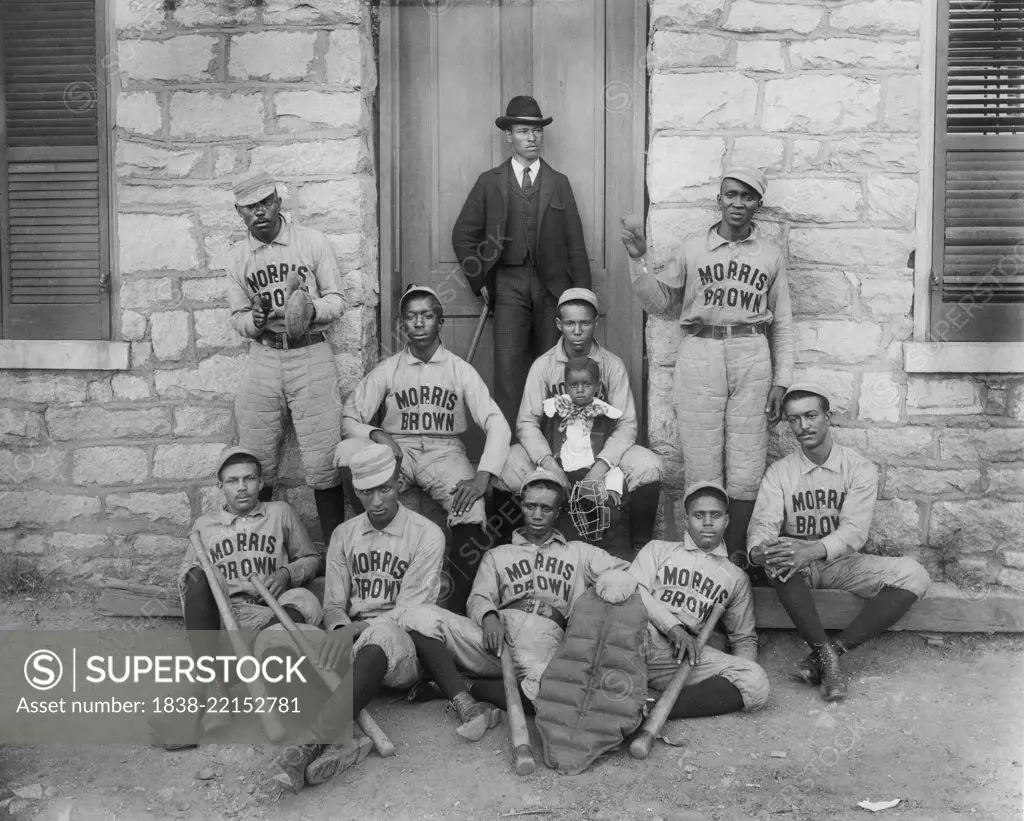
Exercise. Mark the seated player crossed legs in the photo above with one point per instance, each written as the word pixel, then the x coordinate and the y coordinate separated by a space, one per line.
pixel 811 519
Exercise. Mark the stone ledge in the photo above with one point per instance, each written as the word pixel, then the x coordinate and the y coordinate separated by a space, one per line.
pixel 963 357
pixel 57 355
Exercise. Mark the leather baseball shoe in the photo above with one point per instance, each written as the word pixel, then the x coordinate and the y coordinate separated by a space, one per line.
pixel 337 758
pixel 292 764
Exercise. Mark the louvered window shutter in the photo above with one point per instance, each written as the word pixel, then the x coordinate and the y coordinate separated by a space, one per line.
pixel 978 240
pixel 54 187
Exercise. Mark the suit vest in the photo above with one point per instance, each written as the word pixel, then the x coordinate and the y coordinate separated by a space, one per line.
pixel 521 222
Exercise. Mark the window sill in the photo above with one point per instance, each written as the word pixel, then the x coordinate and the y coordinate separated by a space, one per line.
pixel 963 357
pixel 63 355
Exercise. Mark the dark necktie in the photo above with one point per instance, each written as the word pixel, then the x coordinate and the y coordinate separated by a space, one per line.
pixel 527 182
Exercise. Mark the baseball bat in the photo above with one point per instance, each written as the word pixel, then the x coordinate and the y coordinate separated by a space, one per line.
pixel 477 333
pixel 272 725
pixel 516 717
pixel 642 742
pixel 381 743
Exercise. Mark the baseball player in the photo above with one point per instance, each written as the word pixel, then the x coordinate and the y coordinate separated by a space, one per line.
pixel 522 596
pixel 246 536
pixel 283 292
pixel 812 518
pixel 576 322
pixel 426 392
pixel 680 583
pixel 728 287
pixel 379 564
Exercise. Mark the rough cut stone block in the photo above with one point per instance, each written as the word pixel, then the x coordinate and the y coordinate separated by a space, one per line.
pixel 307 159
pixel 1014 558
pixel 708 100
pixel 43 463
pixel 170 334
pixel 133 326
pixel 329 204
pixel 142 353
pixel 663 338
pixel 669 14
pixel 746 15
pixel 171 547
pixel 677 163
pixel 889 444
pixel 877 17
pixel 79 543
pixel 912 481
pixel 139 112
pixel 766 153
pixel 992 445
pixel 202 114
pixel 73 424
pixel 887 298
pixel 817 292
pixel 760 55
pixel 344 58
pixel 44 389
pixel 153 242
pixel 816 199
pixel 880 397
pixel 41 507
pixel 929 394
pixel 309 110
pixel 186 461
pixel 109 466
pixel 190 420
pixel 130 388
pixel 874 247
pixel 137 159
pixel 838 341
pixel 271 55
pixel 214 378
pixel 139 15
pixel 99 391
pixel 895 523
pixel 839 384
pixel 1014 402
pixel 819 104
pixel 1011 578
pixel 210 289
pixel 977 525
pixel 186 57
pixel 150 293
pixel 20 424
pixel 852 52
pixel 211 499
pixel 1006 480
pixel 214 329
pixel 172 508
pixel 203 13
pixel 276 12
pixel 672 49
pixel 903 103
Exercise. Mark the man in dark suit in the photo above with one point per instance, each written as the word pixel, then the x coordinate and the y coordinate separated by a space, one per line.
pixel 519 240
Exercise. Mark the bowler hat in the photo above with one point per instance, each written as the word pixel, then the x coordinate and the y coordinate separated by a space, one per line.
pixel 522 110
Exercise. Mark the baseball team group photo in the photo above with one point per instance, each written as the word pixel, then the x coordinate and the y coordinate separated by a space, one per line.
pixel 627 392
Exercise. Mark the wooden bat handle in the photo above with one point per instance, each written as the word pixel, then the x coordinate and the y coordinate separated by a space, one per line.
pixel 272 725
pixel 301 643
pixel 644 740
pixel 516 717
pixel 477 334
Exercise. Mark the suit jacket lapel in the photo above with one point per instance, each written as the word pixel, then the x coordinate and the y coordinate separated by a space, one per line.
pixel 502 172
pixel 547 190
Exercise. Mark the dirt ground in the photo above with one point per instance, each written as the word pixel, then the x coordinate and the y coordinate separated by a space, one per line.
pixel 936 724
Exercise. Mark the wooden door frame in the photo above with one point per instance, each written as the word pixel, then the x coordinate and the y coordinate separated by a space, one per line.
pixel 389 113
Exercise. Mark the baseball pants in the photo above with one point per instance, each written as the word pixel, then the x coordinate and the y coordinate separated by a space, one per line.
pixel 304 382
pixel 251 615
pixel 436 464
pixel 524 328
pixel 865 575
pixel 533 642
pixel 639 465
pixel 746 676
pixel 721 388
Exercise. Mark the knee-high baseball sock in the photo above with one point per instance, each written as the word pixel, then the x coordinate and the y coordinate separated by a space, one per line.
pixel 883 611
pixel 643 511
pixel 508 513
pixel 439 664
pixel 796 598
pixel 330 508
pixel 740 512
pixel 369 667
pixel 469 542
pixel 492 690
pixel 266 493
pixel 714 696
pixel 201 614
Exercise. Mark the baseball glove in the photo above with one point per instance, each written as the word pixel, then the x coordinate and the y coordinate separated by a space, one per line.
pixel 298 314
pixel 589 508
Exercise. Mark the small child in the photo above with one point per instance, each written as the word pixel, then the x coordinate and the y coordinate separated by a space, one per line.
pixel 584 423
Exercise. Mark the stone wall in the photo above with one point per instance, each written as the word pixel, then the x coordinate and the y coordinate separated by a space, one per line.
pixel 101 473
pixel 825 97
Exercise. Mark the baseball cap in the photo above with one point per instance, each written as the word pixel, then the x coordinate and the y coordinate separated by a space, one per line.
pixel 749 175
pixel 540 475
pixel 578 295
pixel 417 290
pixel 228 452
pixel 808 387
pixel 372 464
pixel 715 486
pixel 255 188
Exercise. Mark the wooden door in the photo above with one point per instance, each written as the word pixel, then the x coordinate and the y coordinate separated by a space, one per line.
pixel 448 68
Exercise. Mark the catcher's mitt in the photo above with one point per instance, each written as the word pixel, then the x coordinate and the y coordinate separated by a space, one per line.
pixel 589 508
pixel 298 313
